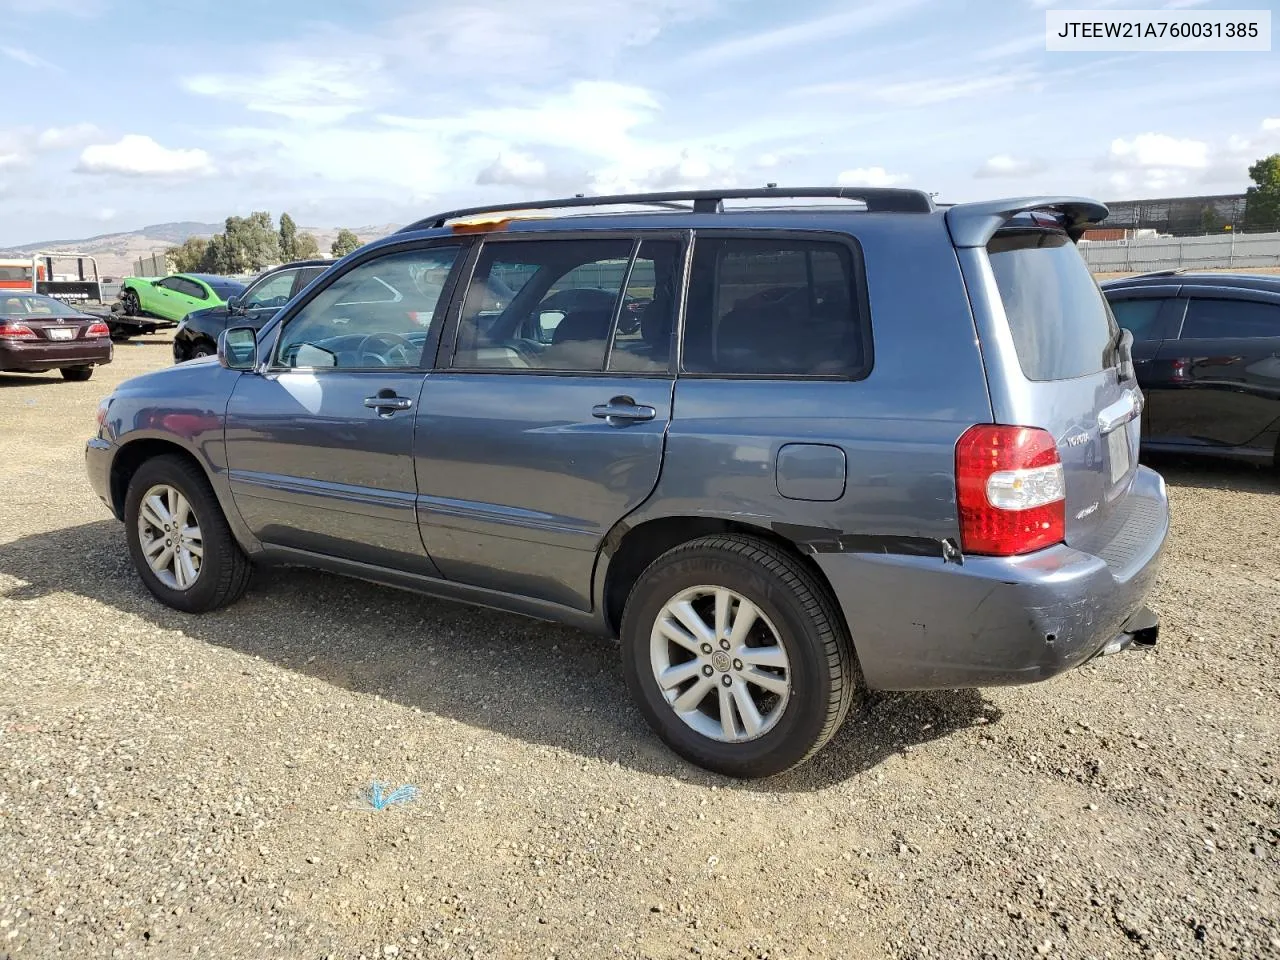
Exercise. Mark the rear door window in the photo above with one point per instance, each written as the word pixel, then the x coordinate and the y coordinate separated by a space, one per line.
pixel 774 307
pixel 1061 325
pixel 1230 319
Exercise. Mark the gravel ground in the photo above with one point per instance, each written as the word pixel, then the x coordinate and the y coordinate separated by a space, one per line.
pixel 178 786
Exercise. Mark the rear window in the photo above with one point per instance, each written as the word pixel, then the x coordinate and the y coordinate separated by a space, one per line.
pixel 1061 325
pixel 15 273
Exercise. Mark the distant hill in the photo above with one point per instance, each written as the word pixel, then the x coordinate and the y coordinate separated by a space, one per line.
pixel 116 252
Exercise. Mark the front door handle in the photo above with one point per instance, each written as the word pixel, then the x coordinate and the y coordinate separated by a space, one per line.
pixel 386 405
pixel 622 410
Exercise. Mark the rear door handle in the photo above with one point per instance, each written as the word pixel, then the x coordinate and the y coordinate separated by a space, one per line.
pixel 621 410
pixel 388 403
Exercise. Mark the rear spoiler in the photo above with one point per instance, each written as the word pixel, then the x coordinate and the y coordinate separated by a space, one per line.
pixel 973 224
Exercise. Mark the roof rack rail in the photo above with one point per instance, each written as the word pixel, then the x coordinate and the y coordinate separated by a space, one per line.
pixel 1171 272
pixel 877 199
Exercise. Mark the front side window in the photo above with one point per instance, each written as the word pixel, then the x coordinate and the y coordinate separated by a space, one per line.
pixel 773 307
pixel 1139 317
pixel 273 291
pixel 1230 319
pixel 376 315
pixel 543 305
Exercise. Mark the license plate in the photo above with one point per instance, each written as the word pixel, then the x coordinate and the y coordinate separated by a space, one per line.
pixel 62 333
pixel 1118 452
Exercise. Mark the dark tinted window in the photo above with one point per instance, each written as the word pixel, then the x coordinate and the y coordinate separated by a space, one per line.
pixel 1139 317
pixel 225 288
pixel 1212 319
pixel 773 308
pixel 542 305
pixel 192 289
pixel 1058 317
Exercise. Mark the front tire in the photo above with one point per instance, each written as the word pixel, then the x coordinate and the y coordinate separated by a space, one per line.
pixel 202 349
pixel 129 304
pixel 736 656
pixel 76 374
pixel 179 539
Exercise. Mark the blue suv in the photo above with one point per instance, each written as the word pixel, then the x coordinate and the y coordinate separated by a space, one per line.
pixel 784 453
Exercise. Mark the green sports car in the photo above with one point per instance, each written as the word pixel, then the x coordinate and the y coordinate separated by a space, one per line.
pixel 172 298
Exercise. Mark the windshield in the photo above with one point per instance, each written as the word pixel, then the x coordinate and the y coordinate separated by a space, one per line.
pixel 34 305
pixel 225 288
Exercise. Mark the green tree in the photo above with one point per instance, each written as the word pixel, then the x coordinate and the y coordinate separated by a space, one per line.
pixel 347 242
pixel 190 256
pixel 288 238
pixel 1262 202
pixel 1210 222
pixel 217 256
pixel 305 247
pixel 252 242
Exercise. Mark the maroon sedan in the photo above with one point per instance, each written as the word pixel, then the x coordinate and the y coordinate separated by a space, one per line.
pixel 39 333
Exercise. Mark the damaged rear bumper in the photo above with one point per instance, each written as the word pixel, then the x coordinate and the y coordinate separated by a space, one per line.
pixel 922 623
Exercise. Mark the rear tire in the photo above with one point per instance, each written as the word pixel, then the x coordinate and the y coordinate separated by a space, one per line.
pixel 795 660
pixel 223 569
pixel 76 374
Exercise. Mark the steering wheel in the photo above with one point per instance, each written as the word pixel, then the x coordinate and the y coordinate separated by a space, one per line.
pixel 394 344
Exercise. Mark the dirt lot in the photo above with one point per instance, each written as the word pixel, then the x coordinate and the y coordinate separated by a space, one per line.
pixel 177 786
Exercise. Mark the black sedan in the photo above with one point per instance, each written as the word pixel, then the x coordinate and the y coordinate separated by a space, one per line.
pixel 1206 348
pixel 197 335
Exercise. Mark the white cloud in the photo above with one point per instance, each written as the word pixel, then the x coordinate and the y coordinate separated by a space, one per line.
pixel 105 214
pixel 871 177
pixel 1012 48
pixel 59 138
pixel 1004 166
pixel 1271 123
pixel 831 27
pixel 27 58
pixel 514 169
pixel 1158 151
pixel 11 159
pixel 315 90
pixel 923 91
pixel 140 156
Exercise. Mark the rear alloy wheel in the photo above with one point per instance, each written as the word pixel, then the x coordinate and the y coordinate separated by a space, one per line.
pixel 736 655
pixel 76 374
pixel 179 539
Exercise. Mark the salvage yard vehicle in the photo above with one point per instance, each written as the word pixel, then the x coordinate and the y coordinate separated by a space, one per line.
pixel 1206 348
pixel 865 445
pixel 152 304
pixel 39 333
pixel 197 334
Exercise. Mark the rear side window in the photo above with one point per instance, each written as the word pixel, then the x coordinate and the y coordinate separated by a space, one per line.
pixel 1235 319
pixel 774 308
pixel 1139 317
pixel 1061 325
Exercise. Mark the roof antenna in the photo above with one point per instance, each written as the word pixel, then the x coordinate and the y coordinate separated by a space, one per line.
pixel 771 186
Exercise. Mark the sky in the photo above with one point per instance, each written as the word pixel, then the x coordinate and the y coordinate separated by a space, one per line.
pixel 121 113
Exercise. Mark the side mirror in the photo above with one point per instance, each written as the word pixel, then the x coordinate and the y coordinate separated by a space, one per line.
pixel 238 348
pixel 233 304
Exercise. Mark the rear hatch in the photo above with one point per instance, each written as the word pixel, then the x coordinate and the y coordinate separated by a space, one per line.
pixel 1077 375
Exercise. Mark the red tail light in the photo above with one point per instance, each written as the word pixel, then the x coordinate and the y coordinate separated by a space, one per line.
pixel 98 329
pixel 12 330
pixel 1010 490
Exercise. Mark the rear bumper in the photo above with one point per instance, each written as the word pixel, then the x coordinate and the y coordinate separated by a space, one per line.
pixel 37 355
pixel 921 623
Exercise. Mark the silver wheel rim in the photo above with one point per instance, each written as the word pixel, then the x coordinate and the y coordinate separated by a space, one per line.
pixel 169 533
pixel 720 663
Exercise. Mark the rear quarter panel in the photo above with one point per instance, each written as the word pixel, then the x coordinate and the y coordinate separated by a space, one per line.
pixel 897 427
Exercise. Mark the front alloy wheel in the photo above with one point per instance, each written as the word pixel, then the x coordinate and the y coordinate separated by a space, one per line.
pixel 170 537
